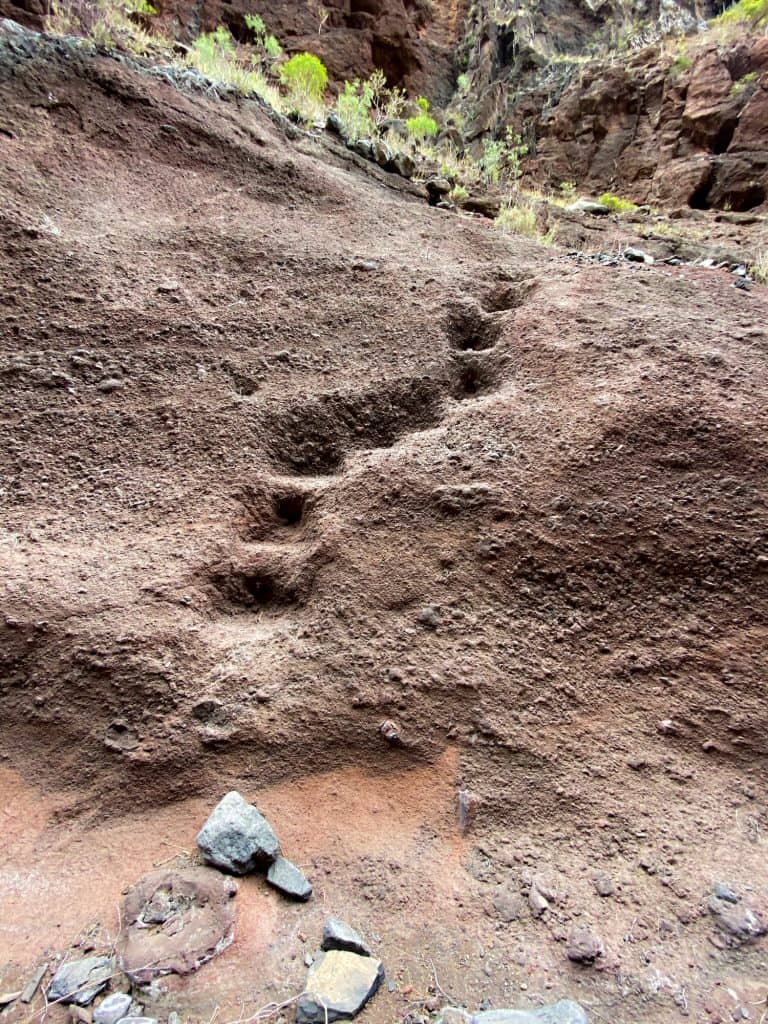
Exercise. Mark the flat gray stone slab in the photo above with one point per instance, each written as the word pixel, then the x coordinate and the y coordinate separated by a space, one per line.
pixel 564 1012
pixel 338 935
pixel 339 983
pixel 236 838
pixel 285 876
pixel 80 981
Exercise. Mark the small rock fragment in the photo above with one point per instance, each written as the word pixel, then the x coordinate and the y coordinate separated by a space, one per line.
pixel 338 986
pixel 537 902
pixel 725 892
pixel 584 947
pixel 285 876
pixel 80 981
pixel 112 1009
pixel 236 838
pixel 604 884
pixel 637 256
pixel 368 265
pixel 338 935
pixel 589 206
pixel 109 384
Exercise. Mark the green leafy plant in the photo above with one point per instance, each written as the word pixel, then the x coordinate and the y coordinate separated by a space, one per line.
pixel 458 194
pixel 305 78
pixel 362 105
pixel 680 64
pixel 268 44
pixel 423 104
pixel 215 55
pixel 616 204
pixel 751 12
pixel 462 83
pixel 741 84
pixel 421 127
pixel 568 189
pixel 502 158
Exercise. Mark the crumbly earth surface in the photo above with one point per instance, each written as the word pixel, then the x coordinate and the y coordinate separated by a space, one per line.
pixel 354 505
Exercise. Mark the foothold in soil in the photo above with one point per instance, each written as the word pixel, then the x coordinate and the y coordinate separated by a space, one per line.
pixel 338 986
pixel 80 981
pixel 338 935
pixel 290 880
pixel 174 922
pixel 236 838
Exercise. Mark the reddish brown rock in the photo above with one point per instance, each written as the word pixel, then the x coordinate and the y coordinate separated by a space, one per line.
pixel 174 922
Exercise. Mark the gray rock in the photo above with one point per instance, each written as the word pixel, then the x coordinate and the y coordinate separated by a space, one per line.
pixel 604 884
pixel 338 935
pixel 725 892
pixel 80 981
pixel 584 947
pixel 333 123
pixel 438 186
pixel 109 384
pixel 174 1018
pixel 589 206
pixel 737 925
pixel 637 256
pixel 236 838
pixel 404 164
pixel 381 153
pixel 338 986
pixel 364 148
pixel 138 1020
pixel 564 1012
pixel 537 901
pixel 367 265
pixel 285 876
pixel 112 1009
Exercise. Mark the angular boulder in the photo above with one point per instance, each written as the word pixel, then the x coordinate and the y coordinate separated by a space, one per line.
pixel 80 981
pixel 236 838
pixel 338 986
pixel 290 880
pixel 338 935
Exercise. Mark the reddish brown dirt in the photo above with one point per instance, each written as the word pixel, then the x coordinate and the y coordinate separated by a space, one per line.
pixel 215 574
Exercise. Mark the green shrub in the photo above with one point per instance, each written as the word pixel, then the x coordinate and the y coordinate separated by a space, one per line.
pixel 421 127
pixel 519 218
pixel 616 204
pixel 266 43
pixel 502 158
pixel 353 109
pixel 568 189
pixel 458 194
pixel 305 78
pixel 215 55
pixel 423 104
pixel 110 24
pixel 680 64
pixel 740 85
pixel 752 12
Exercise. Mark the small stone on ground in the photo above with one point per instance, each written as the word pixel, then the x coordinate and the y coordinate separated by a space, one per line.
pixel 338 986
pixel 80 981
pixel 290 880
pixel 236 838
pixel 338 935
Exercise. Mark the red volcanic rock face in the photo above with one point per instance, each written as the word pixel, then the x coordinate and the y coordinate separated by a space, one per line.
pixel 411 41
pixel 697 139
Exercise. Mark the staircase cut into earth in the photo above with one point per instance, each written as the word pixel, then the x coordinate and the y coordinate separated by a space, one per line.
pixel 445 550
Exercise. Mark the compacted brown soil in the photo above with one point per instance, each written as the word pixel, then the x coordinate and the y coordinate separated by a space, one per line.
pixel 356 505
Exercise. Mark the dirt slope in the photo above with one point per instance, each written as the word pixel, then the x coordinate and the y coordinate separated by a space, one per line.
pixel 286 455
